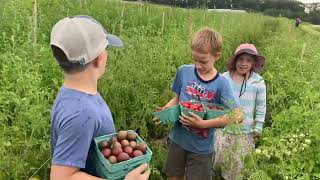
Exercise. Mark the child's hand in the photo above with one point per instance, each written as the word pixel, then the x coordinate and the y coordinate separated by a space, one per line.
pixel 192 120
pixel 239 115
pixel 156 120
pixel 161 108
pixel 142 172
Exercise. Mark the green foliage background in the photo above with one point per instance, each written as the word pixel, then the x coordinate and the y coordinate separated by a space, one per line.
pixel 157 41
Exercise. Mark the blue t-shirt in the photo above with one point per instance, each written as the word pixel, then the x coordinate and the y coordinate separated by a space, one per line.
pixel 76 119
pixel 189 86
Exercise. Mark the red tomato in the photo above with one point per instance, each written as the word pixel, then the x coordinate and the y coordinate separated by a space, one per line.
pixel 193 107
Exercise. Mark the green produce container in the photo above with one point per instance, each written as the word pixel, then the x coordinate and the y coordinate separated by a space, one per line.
pixel 118 170
pixel 211 114
pixel 169 115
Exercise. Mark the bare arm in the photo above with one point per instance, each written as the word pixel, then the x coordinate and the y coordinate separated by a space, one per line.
pixel 58 172
pixel 69 173
pixel 174 101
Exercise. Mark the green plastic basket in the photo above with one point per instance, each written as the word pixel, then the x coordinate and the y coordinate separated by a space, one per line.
pixel 103 173
pixel 186 110
pixel 211 114
pixel 169 115
pixel 104 167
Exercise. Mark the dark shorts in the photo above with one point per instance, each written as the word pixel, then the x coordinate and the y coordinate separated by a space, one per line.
pixel 180 162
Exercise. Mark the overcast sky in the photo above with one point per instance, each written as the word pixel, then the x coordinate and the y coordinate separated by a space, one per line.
pixel 309 1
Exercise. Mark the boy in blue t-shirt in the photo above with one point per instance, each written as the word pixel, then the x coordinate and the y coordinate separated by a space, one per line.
pixel 79 113
pixel 190 154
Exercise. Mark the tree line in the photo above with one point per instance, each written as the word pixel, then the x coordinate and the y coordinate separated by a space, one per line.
pixel 286 8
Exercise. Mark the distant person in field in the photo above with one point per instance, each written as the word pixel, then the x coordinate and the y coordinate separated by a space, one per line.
pixel 79 113
pixel 189 152
pixel 250 89
pixel 298 21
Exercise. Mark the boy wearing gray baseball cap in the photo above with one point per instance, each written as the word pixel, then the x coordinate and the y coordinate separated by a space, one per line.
pixel 79 113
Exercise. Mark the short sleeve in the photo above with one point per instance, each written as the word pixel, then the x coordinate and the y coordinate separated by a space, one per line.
pixel 177 83
pixel 74 139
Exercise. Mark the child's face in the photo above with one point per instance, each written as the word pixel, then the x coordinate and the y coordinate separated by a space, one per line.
pixel 203 61
pixel 244 63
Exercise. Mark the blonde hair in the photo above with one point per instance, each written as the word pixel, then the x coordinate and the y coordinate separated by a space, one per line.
pixel 207 40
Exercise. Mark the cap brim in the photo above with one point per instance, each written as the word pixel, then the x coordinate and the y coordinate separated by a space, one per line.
pixel 114 41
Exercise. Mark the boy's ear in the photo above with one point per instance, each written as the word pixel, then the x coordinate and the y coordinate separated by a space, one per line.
pixel 95 62
pixel 217 56
pixel 98 60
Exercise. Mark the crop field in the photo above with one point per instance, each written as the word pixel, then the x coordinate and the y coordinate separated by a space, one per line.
pixel 138 77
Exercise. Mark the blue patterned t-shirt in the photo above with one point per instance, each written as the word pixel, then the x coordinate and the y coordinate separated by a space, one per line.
pixel 189 86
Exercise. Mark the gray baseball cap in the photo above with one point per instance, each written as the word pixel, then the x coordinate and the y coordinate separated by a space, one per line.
pixel 82 38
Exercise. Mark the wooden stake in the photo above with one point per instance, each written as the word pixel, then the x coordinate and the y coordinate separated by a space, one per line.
pixel 34 21
pixel 140 9
pixel 190 30
pixel 121 22
pixel 148 11
pixel 222 25
pixel 190 24
pixel 162 27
